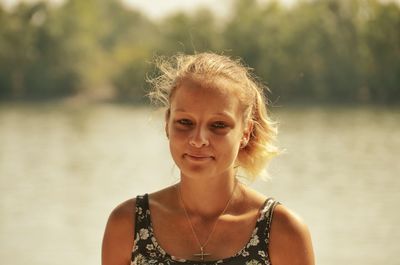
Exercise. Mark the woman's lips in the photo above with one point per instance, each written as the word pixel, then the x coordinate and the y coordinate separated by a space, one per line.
pixel 198 157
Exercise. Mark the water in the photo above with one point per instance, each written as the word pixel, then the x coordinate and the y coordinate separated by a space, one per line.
pixel 63 168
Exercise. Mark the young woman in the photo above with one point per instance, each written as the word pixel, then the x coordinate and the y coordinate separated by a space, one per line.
pixel 216 122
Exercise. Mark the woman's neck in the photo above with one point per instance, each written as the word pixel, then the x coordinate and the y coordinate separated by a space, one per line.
pixel 207 198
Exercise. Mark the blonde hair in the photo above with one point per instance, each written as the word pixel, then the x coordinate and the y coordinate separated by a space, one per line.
pixel 208 67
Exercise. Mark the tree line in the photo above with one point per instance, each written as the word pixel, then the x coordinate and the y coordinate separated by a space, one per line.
pixel 320 51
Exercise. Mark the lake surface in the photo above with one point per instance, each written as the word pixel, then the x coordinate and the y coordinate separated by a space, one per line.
pixel 63 168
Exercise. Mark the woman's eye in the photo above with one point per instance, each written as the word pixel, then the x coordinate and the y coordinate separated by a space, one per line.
pixel 219 125
pixel 185 122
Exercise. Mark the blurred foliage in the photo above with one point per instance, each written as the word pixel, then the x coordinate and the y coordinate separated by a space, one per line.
pixel 321 51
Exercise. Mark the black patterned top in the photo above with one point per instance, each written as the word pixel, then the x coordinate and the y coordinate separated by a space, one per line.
pixel 147 251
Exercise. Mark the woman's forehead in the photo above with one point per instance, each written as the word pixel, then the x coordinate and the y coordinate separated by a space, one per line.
pixel 212 85
pixel 208 101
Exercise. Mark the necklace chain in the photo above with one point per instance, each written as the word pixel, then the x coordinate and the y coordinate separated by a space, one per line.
pixel 202 246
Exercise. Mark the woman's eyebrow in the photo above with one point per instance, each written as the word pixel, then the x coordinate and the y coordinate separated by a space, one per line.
pixel 224 114
pixel 180 110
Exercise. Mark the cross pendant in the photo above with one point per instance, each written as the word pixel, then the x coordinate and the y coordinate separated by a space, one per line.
pixel 202 254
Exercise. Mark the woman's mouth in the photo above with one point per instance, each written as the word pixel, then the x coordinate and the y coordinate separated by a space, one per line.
pixel 198 157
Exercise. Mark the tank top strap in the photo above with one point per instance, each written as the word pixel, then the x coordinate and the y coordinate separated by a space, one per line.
pixel 265 219
pixel 142 216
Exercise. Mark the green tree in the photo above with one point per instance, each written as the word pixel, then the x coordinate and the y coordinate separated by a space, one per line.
pixel 338 51
pixel 33 58
pixel 187 34
pixel 382 53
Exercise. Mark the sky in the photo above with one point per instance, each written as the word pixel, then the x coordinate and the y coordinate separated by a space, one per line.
pixel 221 7
pixel 159 8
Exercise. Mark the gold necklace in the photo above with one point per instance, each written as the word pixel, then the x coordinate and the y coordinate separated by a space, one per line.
pixel 203 254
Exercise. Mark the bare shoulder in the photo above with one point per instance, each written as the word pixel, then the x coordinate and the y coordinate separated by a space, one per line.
pixel 119 235
pixel 122 217
pixel 290 240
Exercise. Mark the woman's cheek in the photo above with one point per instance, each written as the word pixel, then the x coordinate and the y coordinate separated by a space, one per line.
pixel 179 134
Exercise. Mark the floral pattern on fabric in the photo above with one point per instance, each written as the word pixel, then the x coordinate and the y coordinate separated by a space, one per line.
pixel 147 251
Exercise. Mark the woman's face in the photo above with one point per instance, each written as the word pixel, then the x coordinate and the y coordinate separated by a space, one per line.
pixel 205 128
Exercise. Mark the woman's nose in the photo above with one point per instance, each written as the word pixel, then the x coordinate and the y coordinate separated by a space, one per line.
pixel 199 138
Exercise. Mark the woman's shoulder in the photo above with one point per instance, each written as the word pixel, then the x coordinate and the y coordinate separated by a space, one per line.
pixel 290 240
pixel 123 213
pixel 121 219
pixel 119 234
pixel 252 198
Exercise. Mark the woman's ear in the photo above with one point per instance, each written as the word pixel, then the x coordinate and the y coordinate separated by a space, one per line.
pixel 167 115
pixel 166 129
pixel 248 130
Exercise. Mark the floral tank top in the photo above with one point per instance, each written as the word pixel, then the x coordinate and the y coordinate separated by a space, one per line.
pixel 147 251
